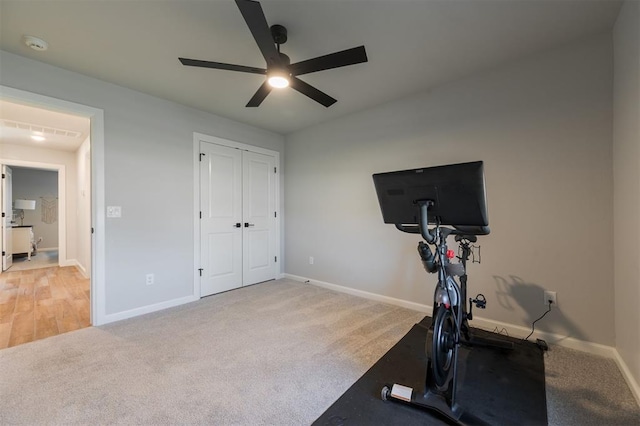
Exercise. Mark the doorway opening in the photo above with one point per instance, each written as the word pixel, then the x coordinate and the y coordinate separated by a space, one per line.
pixel 60 181
pixel 35 219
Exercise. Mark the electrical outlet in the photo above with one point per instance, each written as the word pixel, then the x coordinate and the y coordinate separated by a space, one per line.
pixel 114 211
pixel 150 279
pixel 310 260
pixel 550 296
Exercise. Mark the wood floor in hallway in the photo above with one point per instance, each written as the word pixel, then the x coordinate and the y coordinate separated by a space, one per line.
pixel 40 303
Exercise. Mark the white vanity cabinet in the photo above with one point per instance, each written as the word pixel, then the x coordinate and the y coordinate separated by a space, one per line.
pixel 23 240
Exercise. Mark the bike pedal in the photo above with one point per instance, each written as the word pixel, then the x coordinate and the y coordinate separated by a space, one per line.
pixel 480 301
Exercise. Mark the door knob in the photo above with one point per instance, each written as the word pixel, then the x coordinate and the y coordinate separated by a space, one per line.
pixel 247 224
pixel 237 225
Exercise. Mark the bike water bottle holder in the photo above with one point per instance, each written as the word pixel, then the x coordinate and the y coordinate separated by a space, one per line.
pixel 428 259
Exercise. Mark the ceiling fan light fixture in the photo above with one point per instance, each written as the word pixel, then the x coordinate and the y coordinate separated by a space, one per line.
pixel 278 79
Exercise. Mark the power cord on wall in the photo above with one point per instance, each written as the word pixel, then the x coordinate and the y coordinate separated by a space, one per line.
pixel 533 325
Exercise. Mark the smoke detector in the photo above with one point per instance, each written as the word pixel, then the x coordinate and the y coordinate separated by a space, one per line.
pixel 35 43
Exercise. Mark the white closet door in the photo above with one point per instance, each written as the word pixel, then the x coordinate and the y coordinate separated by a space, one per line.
pixel 220 226
pixel 259 221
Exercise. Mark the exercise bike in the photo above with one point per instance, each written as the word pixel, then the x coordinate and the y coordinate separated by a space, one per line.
pixel 438 196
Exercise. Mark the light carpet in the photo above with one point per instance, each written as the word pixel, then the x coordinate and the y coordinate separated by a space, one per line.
pixel 275 353
pixel 280 353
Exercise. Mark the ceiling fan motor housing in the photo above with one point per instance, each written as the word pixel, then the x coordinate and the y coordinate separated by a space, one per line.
pixel 286 61
pixel 279 34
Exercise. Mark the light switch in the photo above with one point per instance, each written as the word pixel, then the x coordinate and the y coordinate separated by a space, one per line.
pixel 114 211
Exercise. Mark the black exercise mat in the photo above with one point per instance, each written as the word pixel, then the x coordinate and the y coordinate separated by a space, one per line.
pixel 498 387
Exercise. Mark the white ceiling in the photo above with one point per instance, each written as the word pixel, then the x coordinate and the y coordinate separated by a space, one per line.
pixel 62 132
pixel 412 46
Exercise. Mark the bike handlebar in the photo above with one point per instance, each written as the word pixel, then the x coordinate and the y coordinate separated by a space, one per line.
pixel 430 236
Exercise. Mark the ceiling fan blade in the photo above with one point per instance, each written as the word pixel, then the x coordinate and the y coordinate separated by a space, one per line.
pixel 221 66
pixel 254 17
pixel 356 55
pixel 312 92
pixel 259 96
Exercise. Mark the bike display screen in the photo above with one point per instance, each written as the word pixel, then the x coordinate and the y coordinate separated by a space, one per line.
pixel 457 192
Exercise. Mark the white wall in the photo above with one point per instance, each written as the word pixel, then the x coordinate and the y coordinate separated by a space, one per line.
pixel 83 211
pixel 543 128
pixel 34 184
pixel 626 163
pixel 148 172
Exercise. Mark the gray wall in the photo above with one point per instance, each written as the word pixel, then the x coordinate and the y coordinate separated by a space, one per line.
pixel 542 126
pixel 33 184
pixel 148 171
pixel 626 163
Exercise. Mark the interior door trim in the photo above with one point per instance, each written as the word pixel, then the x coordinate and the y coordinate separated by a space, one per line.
pixel 98 309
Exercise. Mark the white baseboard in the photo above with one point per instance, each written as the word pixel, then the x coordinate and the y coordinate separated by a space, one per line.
pixel 628 377
pixel 82 269
pixel 74 262
pixel 147 309
pixel 550 338
pixel 364 294
pixel 68 262
pixel 492 325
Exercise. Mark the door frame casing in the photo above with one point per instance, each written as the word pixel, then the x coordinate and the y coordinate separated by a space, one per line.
pixel 200 137
pixel 98 209
pixel 7 215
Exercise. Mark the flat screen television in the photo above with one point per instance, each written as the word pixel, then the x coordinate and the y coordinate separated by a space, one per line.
pixel 457 192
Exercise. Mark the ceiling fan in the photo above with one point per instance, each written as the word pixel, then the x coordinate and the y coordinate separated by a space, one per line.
pixel 280 71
